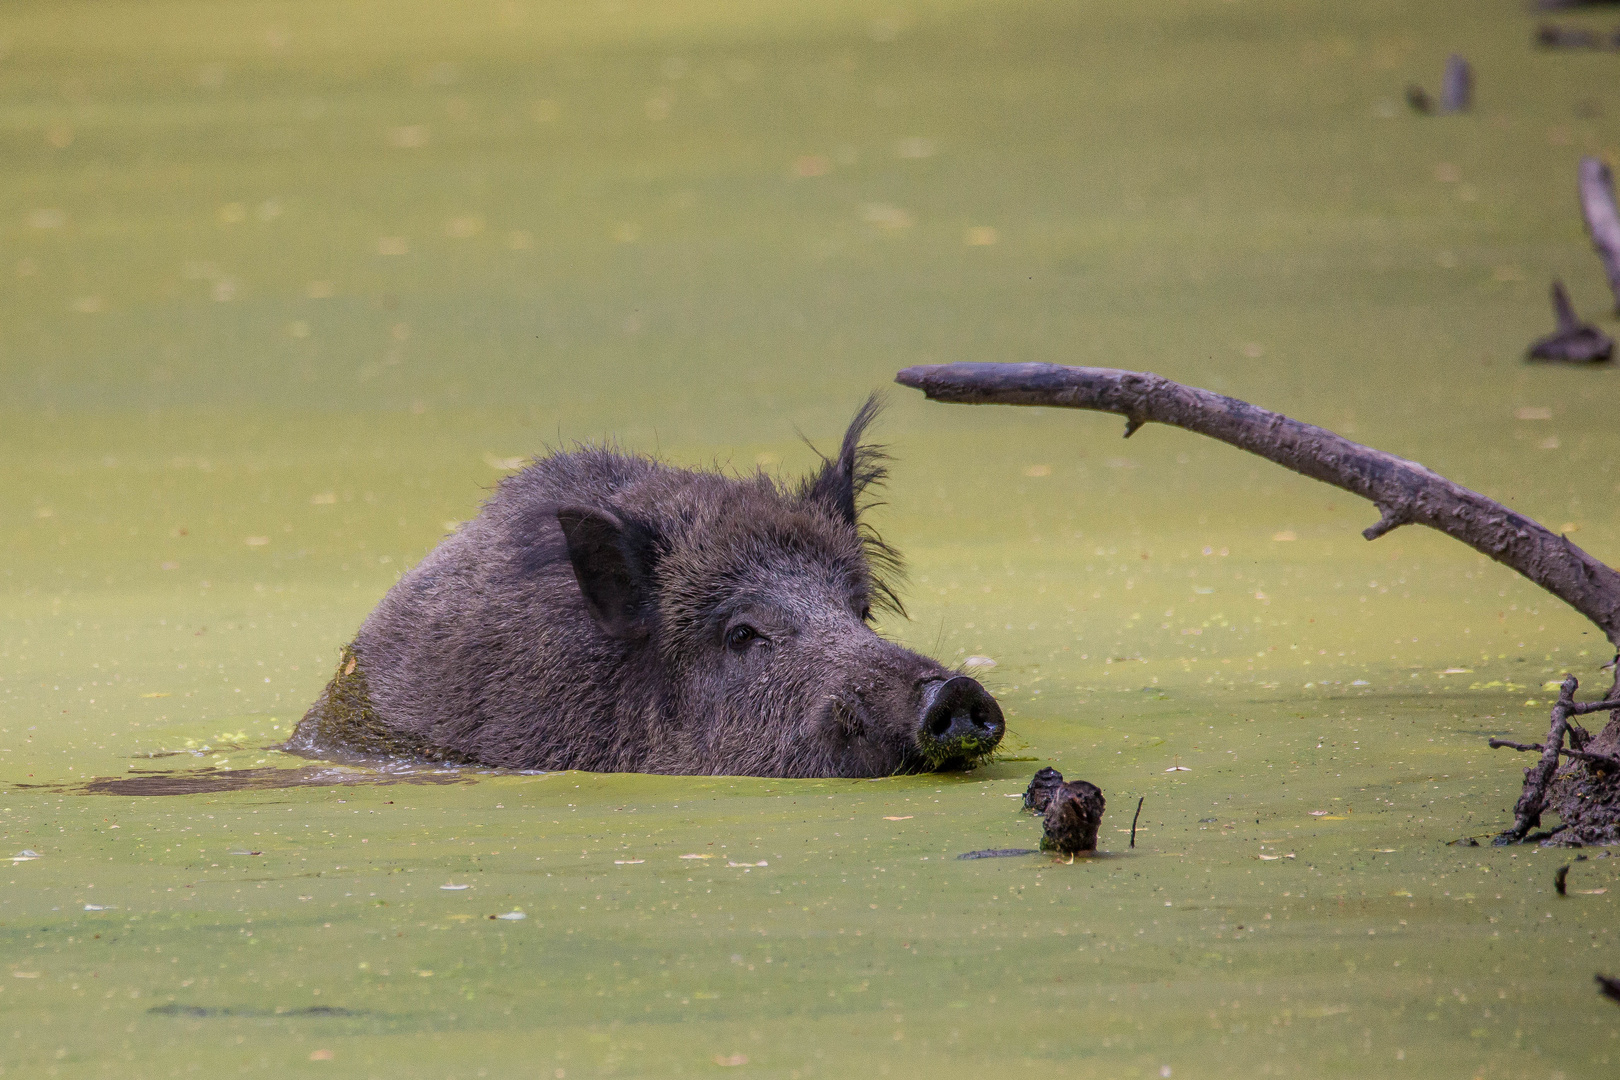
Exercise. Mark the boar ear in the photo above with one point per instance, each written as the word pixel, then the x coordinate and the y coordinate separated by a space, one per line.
pixel 839 486
pixel 843 479
pixel 611 564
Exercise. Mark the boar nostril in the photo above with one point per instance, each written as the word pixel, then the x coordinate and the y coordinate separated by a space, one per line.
pixel 959 710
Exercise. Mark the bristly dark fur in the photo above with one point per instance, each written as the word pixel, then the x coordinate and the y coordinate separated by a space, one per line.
pixel 606 611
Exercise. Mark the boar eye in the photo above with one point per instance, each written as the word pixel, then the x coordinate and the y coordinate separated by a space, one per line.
pixel 738 637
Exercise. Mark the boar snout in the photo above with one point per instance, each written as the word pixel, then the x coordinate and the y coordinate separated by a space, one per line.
pixel 960 721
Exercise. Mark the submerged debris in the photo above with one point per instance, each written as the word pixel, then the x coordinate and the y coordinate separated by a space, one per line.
pixel 1579 782
pixel 1072 818
pixel 1456 90
pixel 998 853
pixel 1608 986
pixel 210 780
pixel 1554 36
pixel 1071 811
pixel 174 1008
pixel 1045 782
pixel 1574 342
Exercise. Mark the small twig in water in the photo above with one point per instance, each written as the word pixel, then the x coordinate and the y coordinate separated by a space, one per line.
pixel 1581 755
pixel 1574 341
pixel 1134 817
pixel 1559 879
pixel 1457 87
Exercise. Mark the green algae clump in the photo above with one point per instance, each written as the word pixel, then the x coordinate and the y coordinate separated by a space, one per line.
pixel 343 721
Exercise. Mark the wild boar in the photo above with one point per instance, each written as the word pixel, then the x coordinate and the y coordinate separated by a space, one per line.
pixel 610 612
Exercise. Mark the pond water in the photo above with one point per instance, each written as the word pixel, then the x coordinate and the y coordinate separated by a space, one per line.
pixel 291 285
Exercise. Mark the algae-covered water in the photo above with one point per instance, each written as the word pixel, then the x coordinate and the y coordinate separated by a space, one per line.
pixel 289 285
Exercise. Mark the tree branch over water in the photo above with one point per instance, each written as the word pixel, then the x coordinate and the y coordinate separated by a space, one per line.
pixel 1405 492
pixel 1602 218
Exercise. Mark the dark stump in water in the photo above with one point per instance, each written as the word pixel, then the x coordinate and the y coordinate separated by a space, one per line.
pixel 1072 815
pixel 1585 794
pixel 1580 782
pixel 1574 342
pixel 1046 781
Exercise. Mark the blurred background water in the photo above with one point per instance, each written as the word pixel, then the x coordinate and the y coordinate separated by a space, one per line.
pixel 287 286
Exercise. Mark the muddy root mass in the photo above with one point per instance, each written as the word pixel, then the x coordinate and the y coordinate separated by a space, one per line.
pixel 1579 782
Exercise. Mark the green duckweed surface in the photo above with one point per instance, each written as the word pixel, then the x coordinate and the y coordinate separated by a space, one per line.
pixel 288 285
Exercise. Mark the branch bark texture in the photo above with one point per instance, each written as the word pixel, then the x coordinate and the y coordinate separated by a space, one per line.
pixel 1405 492
pixel 1602 218
pixel 1533 799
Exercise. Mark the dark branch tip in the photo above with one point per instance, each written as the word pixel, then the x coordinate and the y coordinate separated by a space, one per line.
pixel 1388 521
pixel 1566 690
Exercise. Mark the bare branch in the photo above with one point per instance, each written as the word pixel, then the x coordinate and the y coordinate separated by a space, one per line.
pixel 1602 218
pixel 1457 88
pixel 1533 799
pixel 1388 521
pixel 1404 491
pixel 1574 342
pixel 1581 755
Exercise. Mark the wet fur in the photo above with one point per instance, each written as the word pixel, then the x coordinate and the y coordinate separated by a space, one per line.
pixel 511 645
